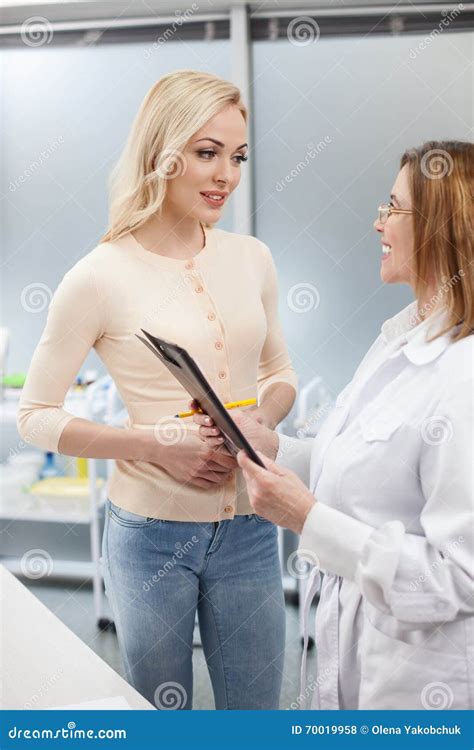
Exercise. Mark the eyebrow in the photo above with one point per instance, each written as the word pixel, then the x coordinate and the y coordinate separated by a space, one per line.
pixel 218 143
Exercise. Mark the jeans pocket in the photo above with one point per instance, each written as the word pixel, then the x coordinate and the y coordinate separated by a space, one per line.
pixel 127 518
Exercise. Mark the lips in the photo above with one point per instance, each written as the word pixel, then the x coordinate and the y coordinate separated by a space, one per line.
pixel 214 198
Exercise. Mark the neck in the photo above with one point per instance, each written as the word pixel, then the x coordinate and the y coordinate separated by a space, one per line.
pixel 428 303
pixel 170 235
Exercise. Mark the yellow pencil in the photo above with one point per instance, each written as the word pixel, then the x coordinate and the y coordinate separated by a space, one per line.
pixel 230 405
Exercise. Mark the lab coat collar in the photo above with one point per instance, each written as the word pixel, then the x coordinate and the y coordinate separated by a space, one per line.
pixel 404 332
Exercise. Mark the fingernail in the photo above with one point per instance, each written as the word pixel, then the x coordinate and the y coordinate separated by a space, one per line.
pixel 208 421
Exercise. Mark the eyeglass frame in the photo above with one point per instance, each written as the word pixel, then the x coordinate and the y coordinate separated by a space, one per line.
pixel 388 209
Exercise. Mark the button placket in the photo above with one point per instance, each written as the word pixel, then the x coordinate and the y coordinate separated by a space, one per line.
pixel 206 302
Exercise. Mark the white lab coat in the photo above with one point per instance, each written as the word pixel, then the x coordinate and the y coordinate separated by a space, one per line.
pixel 392 529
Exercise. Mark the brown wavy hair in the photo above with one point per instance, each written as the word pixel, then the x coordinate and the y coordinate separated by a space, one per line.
pixel 441 177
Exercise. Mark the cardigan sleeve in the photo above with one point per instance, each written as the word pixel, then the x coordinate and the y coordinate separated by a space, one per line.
pixel 275 364
pixel 73 325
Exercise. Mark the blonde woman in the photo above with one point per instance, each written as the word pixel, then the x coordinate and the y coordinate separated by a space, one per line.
pixel 180 534
pixel 389 510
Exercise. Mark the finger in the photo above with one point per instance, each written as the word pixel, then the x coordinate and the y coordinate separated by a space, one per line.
pixel 216 477
pixel 250 468
pixel 202 419
pixel 270 465
pixel 213 442
pixel 209 432
pixel 213 466
pixel 203 483
pixel 223 458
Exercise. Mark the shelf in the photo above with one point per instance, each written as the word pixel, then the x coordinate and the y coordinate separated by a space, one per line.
pixel 48 516
pixel 70 569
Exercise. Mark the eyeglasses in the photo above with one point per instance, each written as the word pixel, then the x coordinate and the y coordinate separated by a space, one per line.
pixel 388 208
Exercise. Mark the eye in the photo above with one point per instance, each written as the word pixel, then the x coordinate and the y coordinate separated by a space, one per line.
pixel 240 158
pixel 207 153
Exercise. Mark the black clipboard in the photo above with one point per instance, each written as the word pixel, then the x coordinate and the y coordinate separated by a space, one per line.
pixel 187 372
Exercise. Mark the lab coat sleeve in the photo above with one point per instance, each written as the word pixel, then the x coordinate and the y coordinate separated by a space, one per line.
pixel 275 364
pixel 295 454
pixel 74 324
pixel 422 579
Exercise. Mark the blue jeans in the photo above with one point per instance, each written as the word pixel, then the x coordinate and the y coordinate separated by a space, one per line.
pixel 159 573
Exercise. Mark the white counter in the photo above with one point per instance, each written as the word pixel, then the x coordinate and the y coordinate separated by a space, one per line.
pixel 43 664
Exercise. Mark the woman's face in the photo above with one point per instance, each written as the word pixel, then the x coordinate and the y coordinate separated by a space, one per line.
pixel 212 160
pixel 396 236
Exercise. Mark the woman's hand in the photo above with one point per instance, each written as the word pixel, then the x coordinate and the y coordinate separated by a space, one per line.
pixel 250 424
pixel 276 493
pixel 191 461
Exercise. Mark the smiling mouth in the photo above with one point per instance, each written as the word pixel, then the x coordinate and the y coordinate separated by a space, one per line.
pixel 214 198
pixel 386 250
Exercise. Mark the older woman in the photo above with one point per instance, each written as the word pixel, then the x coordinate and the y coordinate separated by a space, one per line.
pixel 388 512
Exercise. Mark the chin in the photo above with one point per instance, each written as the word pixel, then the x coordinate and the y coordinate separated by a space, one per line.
pixel 387 276
pixel 210 217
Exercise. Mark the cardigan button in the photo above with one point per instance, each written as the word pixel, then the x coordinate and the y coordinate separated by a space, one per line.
pixel 222 375
pixel 219 345
pixel 228 509
pixel 211 316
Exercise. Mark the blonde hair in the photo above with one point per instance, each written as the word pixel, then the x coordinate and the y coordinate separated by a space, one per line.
pixel 441 177
pixel 176 107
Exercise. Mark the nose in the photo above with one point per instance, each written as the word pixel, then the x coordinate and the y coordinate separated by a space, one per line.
pixel 378 226
pixel 222 173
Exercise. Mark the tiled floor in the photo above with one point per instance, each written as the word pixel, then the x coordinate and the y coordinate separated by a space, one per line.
pixel 74 606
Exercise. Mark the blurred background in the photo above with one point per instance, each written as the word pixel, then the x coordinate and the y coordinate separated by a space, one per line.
pixel 337 90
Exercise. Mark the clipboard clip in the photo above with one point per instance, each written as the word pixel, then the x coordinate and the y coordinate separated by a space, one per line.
pixel 156 346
